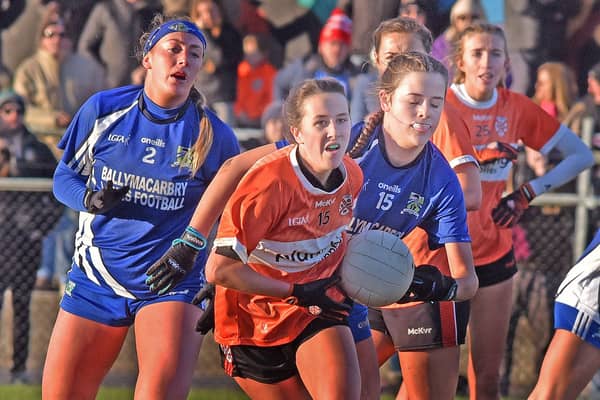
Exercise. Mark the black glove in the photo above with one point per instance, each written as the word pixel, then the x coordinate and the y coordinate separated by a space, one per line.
pixel 312 295
pixel 207 320
pixel 511 208
pixel 176 262
pixel 429 284
pixel 103 200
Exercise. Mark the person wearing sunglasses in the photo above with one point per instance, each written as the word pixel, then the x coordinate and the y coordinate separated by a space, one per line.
pixel 54 81
pixel 26 217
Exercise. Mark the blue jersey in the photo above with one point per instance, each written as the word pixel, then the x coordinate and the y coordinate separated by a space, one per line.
pixel 424 193
pixel 593 244
pixel 119 135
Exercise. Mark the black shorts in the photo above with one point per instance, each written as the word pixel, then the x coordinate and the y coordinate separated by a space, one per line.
pixel 423 326
pixel 269 364
pixel 497 271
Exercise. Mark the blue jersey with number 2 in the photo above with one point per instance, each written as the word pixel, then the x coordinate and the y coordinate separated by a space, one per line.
pixel 113 138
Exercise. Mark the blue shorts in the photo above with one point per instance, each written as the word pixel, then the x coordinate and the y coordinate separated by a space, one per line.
pixel 577 322
pixel 358 320
pixel 100 303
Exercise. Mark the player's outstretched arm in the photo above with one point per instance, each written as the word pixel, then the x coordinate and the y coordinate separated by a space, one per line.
pixel 181 256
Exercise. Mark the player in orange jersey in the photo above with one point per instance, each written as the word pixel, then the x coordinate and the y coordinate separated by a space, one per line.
pixel 281 238
pixel 497 120
pixel 434 367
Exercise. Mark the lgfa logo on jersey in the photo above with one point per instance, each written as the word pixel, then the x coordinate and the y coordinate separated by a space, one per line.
pixel 346 204
pixel 415 202
pixel 183 158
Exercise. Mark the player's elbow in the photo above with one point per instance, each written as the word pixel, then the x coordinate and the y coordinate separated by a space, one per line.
pixel 467 287
pixel 219 270
pixel 588 159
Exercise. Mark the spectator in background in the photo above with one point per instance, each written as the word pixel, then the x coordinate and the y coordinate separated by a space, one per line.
pixel 462 14
pixel 218 78
pixel 331 60
pixel 555 91
pixel 295 27
pixel 583 51
pixel 20 39
pixel 589 107
pixel 535 33
pixel 415 9
pixel 26 217
pixel 55 81
pixel 9 12
pixel 110 33
pixel 252 20
pixel 273 123
pixel 366 16
pixel 255 77
pixel 176 7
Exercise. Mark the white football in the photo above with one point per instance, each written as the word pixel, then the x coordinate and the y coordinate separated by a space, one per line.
pixel 377 269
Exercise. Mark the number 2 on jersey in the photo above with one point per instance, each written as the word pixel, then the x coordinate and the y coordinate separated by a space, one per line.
pixel 149 157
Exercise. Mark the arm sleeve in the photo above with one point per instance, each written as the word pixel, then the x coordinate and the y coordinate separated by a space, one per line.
pixel 576 157
pixel 69 187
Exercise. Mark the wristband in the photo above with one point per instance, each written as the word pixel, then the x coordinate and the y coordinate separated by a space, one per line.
pixel 192 238
pixel 528 191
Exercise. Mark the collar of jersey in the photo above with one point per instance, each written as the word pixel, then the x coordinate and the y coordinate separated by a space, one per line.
pixel 158 114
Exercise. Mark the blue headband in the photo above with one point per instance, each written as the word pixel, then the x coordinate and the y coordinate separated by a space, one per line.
pixel 176 25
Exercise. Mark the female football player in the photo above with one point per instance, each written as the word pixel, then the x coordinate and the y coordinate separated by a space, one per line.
pixel 498 119
pixel 430 363
pixel 136 162
pixel 434 364
pixel 279 319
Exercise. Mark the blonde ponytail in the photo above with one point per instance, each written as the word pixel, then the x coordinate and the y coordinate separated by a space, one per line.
pixel 205 135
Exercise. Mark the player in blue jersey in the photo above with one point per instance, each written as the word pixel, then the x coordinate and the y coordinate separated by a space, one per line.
pixel 573 356
pixel 409 184
pixel 136 162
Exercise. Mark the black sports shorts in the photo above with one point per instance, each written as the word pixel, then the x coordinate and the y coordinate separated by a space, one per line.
pixel 269 364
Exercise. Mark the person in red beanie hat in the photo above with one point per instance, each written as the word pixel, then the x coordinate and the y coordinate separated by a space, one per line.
pixel 337 27
pixel 331 60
